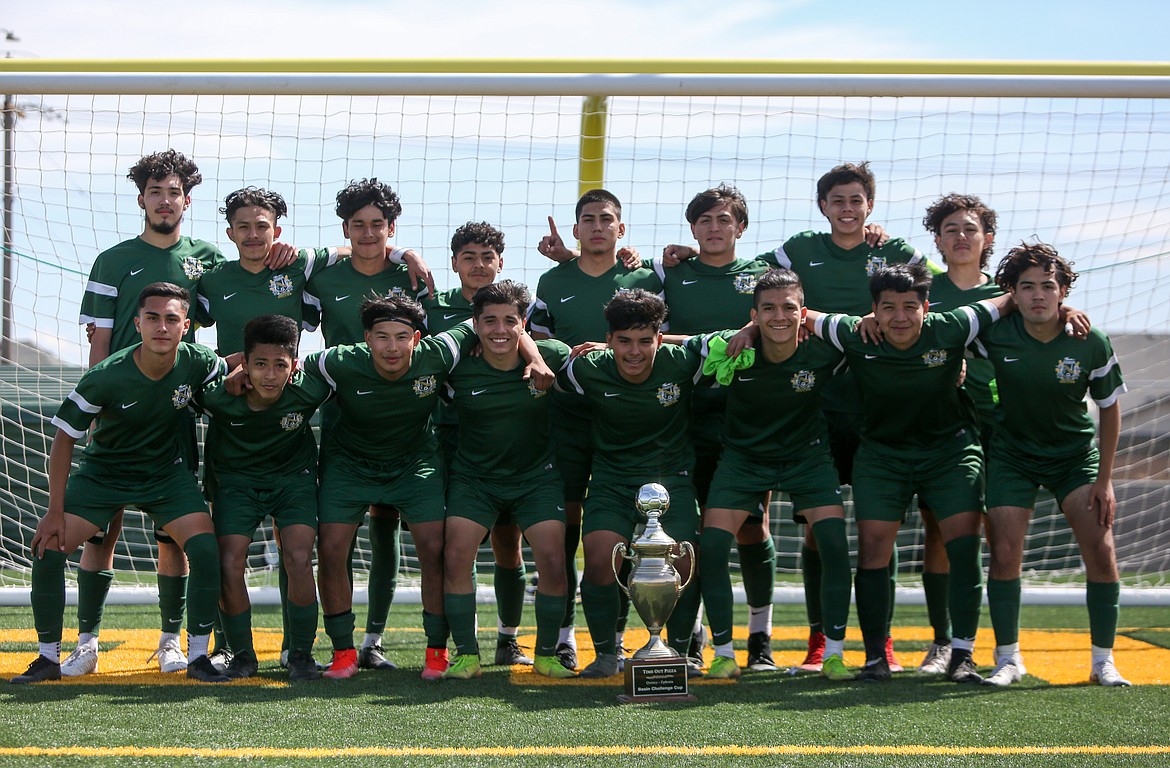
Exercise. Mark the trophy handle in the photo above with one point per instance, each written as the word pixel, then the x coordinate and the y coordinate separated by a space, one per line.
pixel 619 549
pixel 685 549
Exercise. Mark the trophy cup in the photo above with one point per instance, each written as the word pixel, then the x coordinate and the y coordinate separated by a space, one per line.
pixel 656 672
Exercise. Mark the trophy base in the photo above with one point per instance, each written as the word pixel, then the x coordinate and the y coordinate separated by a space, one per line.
pixel 656 680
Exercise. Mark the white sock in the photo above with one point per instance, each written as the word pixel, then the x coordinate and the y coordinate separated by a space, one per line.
pixel 834 647
pixel 760 619
pixel 197 646
pixel 371 639
pixel 618 637
pixel 1005 652
pixel 164 637
pixel 88 640
pixel 962 644
pixel 725 649
pixel 503 630
pixel 568 636
pixel 51 651
pixel 1101 655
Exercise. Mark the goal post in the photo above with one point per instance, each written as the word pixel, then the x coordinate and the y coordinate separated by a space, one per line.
pixel 1071 153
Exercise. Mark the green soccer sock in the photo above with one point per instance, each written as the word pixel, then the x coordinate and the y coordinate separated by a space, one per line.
pixel 600 604
pixel 92 588
pixel 436 629
pixel 681 624
pixel 935 586
pixel 238 631
pixel 339 628
pixel 282 587
pixel 550 609
pixel 1103 599
pixel 836 575
pixel 572 539
pixel 202 553
pixel 172 602
pixel 385 561
pixel 715 580
pixel 810 574
pixel 302 626
pixel 893 587
pixel 460 613
pixel 757 563
pixel 873 594
pixel 48 595
pixel 509 584
pixel 966 585
pixel 1003 604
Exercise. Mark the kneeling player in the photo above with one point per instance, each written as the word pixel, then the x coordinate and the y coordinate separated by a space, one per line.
pixel 775 437
pixel 264 460
pixel 503 463
pixel 1045 437
pixel 138 397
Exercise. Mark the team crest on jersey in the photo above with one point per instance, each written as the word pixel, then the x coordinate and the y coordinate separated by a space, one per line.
pixel 874 263
pixel 182 396
pixel 934 358
pixel 532 390
pixel 745 283
pixel 669 393
pixel 395 292
pixel 291 422
pixel 192 268
pixel 804 381
pixel 425 385
pixel 281 286
pixel 1068 371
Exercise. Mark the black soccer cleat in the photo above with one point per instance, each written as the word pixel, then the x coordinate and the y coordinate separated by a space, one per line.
pixel 759 652
pixel 242 665
pixel 41 670
pixel 961 668
pixel 204 671
pixel 373 657
pixel 302 666
pixel 508 652
pixel 877 671
pixel 567 655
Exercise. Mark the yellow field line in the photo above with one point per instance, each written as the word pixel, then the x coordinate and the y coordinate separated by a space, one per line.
pixel 728 750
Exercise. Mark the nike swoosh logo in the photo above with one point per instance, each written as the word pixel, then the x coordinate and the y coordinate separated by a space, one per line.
pixel 134 272
pixel 871 357
pixel 129 405
pixel 815 263
pixel 612 394
pixel 341 298
pixel 568 298
pixel 689 282
pixel 448 317
pixel 747 378
pixel 364 391
pixel 227 296
pixel 839 626
pixel 1010 359
pixel 208 625
pixel 477 392
pixel 237 423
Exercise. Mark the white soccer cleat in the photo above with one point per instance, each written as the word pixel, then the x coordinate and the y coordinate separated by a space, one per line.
pixel 1105 673
pixel 936 661
pixel 170 656
pixel 83 661
pixel 1006 672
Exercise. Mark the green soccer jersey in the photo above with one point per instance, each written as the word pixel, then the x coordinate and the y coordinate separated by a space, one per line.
pixel 503 420
pixel 1042 386
pixel 231 295
pixel 909 397
pixel 261 448
pixel 119 274
pixel 334 297
pixel 639 430
pixel 569 303
pixel 384 420
pixel 774 409
pixel 445 310
pixel 705 299
pixel 945 296
pixel 139 421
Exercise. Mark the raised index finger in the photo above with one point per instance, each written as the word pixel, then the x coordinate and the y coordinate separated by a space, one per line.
pixel 552 227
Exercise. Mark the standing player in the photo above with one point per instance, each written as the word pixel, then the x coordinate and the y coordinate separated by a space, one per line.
pixel 503 463
pixel 1045 437
pixel 569 302
pixel 638 393
pixel 264 460
pixel 138 398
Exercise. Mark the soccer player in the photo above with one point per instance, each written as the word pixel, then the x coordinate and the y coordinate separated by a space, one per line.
pixel 569 302
pixel 638 393
pixel 504 463
pixel 264 460
pixel 383 452
pixel 135 456
pixel 918 436
pixel 1045 437
pixel 775 437
pixel 477 256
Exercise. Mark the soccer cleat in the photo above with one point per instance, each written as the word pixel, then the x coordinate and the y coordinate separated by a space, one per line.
pixel 435 664
pixel 759 652
pixel 302 666
pixel 464 667
pixel 605 665
pixel 508 652
pixel 816 653
pixel 170 656
pixel 38 672
pixel 1104 673
pixel 1006 672
pixel 834 668
pixel 550 666
pixel 723 668
pixel 373 657
pixel 343 666
pixel 892 660
pixel 242 665
pixel 83 661
pixel 936 661
pixel 567 655
pixel 961 668
pixel 875 672
pixel 201 669
pixel 220 658
pixel 284 662
pixel 695 649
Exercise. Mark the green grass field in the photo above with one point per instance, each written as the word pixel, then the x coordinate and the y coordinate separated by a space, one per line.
pixel 504 719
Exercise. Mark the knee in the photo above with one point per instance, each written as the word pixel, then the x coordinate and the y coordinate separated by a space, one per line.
pixel 202 552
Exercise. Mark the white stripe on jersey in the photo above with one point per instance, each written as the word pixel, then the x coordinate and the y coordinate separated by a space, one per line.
pixel 782 257
pixel 101 289
pixel 573 379
pixel 85 405
pixel 64 426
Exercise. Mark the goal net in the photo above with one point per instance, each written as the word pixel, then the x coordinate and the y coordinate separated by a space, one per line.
pixel 1085 173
